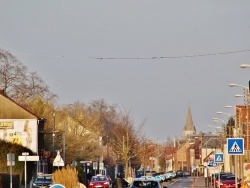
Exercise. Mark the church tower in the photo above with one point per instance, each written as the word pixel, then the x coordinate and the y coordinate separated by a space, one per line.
pixel 189 128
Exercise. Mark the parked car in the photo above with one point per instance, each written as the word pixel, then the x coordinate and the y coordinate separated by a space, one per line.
pixel 168 176
pixel 215 176
pixel 100 181
pixel 226 181
pixel 186 173
pixel 42 180
pixel 172 174
pixel 158 178
pixel 146 183
pixel 179 173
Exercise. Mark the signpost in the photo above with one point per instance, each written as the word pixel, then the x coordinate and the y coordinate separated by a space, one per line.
pixel 58 161
pixel 10 162
pixel 219 158
pixel 235 146
pixel 86 164
pixel 25 157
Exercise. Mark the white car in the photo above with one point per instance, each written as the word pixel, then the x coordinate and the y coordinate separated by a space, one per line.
pixel 148 177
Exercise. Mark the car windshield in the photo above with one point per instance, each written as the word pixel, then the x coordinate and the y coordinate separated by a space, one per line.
pixel 148 184
pixel 44 178
pixel 99 178
pixel 231 178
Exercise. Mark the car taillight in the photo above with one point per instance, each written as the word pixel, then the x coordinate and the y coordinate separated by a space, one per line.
pixel 91 184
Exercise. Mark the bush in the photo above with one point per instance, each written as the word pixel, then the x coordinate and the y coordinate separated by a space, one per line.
pixel 66 176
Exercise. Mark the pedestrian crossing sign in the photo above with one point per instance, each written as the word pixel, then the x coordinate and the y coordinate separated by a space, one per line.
pixel 235 146
pixel 218 157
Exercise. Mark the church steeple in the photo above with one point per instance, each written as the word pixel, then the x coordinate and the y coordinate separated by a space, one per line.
pixel 189 127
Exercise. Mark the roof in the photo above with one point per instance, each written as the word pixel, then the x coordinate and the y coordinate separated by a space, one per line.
pixel 9 109
pixel 189 127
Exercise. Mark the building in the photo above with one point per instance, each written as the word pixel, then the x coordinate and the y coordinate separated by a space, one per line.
pixel 189 128
pixel 19 125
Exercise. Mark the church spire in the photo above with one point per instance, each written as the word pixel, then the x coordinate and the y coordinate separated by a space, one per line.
pixel 189 127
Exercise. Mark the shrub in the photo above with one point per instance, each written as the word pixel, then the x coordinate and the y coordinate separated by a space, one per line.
pixel 66 176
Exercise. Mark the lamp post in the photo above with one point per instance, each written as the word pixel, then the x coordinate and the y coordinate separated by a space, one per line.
pixel 53 133
pixel 218 120
pixel 223 113
pixel 244 66
pixel 238 133
pixel 247 100
pixel 230 130
pixel 216 127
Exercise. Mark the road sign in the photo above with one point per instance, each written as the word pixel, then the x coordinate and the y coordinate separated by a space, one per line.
pixel 219 158
pixel 235 146
pixel 212 164
pixel 57 186
pixel 58 161
pixel 28 158
pixel 95 165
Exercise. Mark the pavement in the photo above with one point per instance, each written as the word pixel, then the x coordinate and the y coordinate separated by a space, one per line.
pixel 199 182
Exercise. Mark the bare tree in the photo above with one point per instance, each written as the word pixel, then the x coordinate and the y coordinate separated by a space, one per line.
pixel 18 84
pixel 12 72
pixel 126 141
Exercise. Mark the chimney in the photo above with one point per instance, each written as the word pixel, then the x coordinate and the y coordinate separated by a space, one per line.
pixel 1 91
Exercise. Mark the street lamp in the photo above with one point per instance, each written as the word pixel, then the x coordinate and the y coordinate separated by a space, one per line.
pixel 238 133
pixel 247 97
pixel 217 127
pixel 244 66
pixel 237 85
pixel 223 113
pixel 218 120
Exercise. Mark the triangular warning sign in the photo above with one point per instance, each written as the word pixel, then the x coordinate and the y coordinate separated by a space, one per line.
pixel 219 158
pixel 235 148
pixel 58 161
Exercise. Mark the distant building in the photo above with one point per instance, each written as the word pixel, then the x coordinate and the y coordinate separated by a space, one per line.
pixel 189 128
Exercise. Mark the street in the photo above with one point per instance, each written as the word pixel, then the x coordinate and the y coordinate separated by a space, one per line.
pixel 180 183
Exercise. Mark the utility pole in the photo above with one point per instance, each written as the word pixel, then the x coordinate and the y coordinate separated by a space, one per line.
pixel 247 108
pixel 53 133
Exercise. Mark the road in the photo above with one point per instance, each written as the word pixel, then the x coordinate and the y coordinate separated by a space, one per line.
pixel 180 183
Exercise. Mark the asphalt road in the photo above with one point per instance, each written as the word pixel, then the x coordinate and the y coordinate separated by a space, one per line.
pixel 179 183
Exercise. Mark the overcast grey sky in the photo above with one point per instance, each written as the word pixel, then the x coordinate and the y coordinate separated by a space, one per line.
pixel 62 40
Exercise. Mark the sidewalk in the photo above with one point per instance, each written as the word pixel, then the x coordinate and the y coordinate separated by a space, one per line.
pixel 199 182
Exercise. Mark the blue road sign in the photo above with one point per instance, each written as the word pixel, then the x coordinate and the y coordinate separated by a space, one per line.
pixel 235 146
pixel 57 186
pixel 219 158
pixel 212 164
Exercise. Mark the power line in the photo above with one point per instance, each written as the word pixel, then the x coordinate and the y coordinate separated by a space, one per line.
pixel 139 58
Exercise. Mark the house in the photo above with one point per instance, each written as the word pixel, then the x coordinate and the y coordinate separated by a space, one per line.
pixel 19 125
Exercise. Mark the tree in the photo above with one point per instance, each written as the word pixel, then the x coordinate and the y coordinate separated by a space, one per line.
pixel 82 132
pixel 12 72
pixel 20 85
pixel 126 140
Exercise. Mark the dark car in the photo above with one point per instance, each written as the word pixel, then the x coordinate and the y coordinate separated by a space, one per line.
pixel 42 180
pixel 99 181
pixel 179 173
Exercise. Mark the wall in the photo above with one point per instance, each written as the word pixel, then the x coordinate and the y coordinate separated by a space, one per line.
pixel 20 131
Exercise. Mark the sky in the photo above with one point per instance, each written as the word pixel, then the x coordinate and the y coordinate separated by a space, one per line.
pixel 153 58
